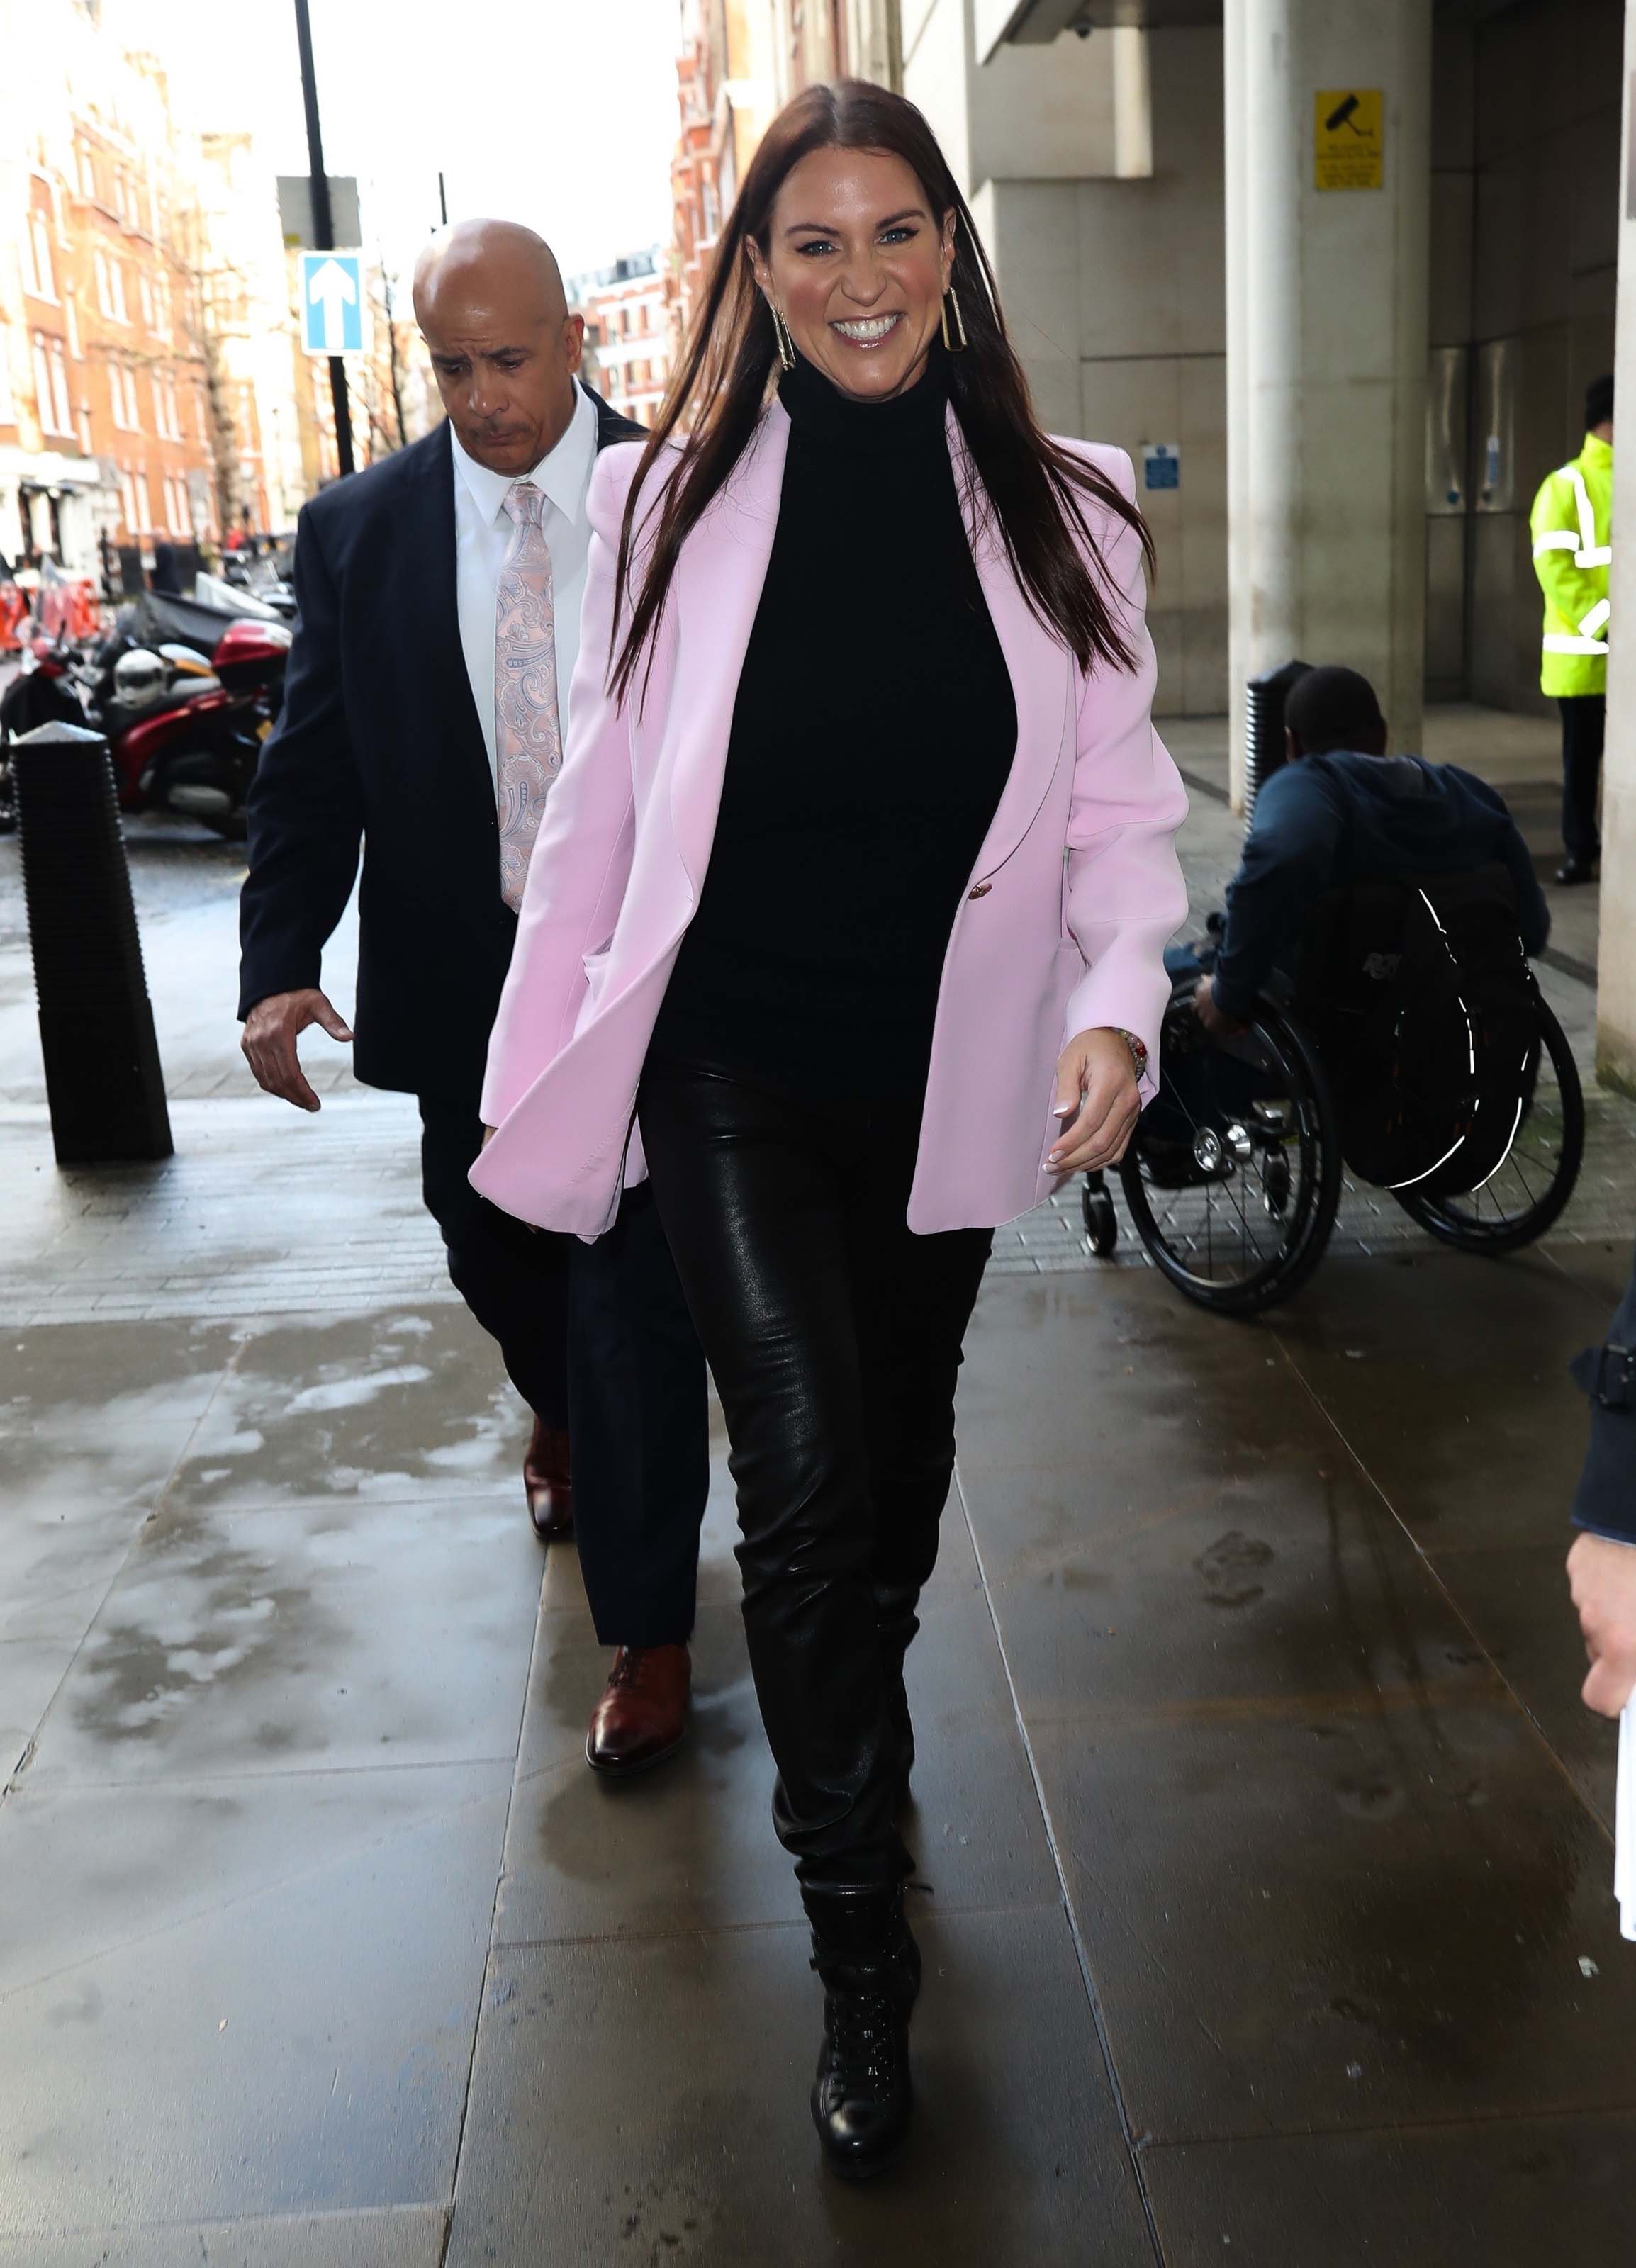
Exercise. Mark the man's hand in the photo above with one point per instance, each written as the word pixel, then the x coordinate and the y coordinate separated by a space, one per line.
pixel 1602 1576
pixel 1210 1016
pixel 270 1032
pixel 1097 1101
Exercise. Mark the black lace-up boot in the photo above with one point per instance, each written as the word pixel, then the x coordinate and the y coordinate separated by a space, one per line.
pixel 870 1964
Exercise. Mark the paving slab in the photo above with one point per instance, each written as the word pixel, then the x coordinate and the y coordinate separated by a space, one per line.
pixel 648 2102
pixel 372 1407
pixel 409 2238
pixel 1515 1600
pixel 31 1670
pixel 692 1846
pixel 253 1999
pixel 1448 1378
pixel 1509 2193
pixel 1298 1924
pixel 274 1637
pixel 1200 1539
pixel 94 1422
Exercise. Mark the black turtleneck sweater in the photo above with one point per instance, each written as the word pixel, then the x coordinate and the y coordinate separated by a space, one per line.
pixel 872 737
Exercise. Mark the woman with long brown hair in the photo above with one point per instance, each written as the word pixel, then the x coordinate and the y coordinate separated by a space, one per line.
pixel 845 924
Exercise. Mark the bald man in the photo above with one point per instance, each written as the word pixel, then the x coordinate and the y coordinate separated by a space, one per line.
pixel 425 710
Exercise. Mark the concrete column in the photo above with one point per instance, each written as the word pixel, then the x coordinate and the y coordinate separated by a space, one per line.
pixel 1326 303
pixel 1615 956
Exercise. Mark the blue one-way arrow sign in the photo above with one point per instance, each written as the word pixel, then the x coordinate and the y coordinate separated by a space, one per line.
pixel 332 302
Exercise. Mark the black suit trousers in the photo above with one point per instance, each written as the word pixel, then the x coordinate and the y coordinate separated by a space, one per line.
pixel 834 1336
pixel 1584 720
pixel 596 1338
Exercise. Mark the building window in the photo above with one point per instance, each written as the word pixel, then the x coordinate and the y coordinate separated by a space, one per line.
pixel 144 293
pixel 85 166
pixel 127 499
pixel 166 404
pixel 144 509
pixel 38 276
pixel 122 393
pixel 72 316
pixel 110 277
pixel 51 387
pixel 60 402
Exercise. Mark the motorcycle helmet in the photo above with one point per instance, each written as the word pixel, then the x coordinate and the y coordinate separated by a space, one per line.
pixel 139 675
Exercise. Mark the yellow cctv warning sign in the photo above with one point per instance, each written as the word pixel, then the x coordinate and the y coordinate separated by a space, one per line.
pixel 1349 138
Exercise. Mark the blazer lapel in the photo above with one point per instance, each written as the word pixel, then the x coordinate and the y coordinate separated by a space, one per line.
pixel 431 608
pixel 1041 675
pixel 716 591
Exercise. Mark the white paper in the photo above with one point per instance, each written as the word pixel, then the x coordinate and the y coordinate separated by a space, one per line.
pixel 1624 1827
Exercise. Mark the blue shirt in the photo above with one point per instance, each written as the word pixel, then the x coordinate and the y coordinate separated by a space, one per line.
pixel 1324 822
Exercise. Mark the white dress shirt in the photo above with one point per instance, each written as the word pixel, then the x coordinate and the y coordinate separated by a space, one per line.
pixel 483 530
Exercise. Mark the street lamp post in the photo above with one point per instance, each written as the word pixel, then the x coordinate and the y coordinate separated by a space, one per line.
pixel 323 223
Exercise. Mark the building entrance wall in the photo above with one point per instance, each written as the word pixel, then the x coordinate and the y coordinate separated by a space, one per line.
pixel 1524 228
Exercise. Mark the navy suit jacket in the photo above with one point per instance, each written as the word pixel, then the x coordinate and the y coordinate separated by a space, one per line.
pixel 1606 1500
pixel 379 747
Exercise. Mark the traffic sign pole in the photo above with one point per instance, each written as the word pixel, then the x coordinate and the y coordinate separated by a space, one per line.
pixel 323 228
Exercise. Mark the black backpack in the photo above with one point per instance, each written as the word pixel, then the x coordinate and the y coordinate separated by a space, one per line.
pixel 1427 1020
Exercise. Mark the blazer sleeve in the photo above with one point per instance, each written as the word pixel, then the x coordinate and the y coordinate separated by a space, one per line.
pixel 582 854
pixel 306 803
pixel 1126 897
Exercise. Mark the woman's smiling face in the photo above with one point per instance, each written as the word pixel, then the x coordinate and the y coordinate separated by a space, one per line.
pixel 857 263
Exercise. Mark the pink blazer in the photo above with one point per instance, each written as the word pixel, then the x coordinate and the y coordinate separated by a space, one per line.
pixel 1063 926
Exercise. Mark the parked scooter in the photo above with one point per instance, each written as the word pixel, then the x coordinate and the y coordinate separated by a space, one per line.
pixel 185 731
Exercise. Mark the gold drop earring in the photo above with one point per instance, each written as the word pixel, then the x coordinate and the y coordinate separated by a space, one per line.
pixel 781 334
pixel 951 299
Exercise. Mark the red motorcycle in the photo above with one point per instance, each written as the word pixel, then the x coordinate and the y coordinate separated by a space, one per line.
pixel 185 732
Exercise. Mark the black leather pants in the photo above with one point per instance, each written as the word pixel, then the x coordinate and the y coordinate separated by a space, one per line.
pixel 834 1336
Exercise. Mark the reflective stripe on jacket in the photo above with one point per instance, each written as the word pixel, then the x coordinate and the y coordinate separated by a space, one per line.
pixel 1572 526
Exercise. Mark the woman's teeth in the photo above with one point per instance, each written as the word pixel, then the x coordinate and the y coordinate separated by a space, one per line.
pixel 868 330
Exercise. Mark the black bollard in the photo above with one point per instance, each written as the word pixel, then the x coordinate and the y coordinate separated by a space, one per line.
pixel 1264 727
pixel 103 1080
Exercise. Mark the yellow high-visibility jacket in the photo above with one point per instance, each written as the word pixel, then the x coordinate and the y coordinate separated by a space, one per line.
pixel 1571 524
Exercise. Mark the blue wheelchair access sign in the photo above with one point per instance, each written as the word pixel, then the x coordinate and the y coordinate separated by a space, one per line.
pixel 332 302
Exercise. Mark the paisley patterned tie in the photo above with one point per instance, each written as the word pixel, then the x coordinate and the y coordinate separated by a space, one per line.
pixel 528 727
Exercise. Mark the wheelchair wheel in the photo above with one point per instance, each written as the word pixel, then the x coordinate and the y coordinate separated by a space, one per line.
pixel 1528 1189
pixel 1233 1175
pixel 1101 1222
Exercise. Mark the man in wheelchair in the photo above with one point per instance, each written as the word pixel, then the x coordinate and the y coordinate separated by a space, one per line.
pixel 1366 1007
pixel 1338 812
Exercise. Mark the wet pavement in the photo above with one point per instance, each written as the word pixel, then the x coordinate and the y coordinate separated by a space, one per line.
pixel 1264 1867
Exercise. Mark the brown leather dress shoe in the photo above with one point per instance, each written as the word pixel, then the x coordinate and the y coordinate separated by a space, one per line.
pixel 547 1482
pixel 643 1714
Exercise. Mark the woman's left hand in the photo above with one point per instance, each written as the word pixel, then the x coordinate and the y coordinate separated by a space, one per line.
pixel 1097 1101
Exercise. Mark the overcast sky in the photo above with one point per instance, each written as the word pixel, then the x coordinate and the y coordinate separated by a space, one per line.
pixel 558 113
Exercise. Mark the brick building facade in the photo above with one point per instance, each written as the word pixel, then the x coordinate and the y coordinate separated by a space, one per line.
pixel 740 63
pixel 126 415
pixel 628 339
